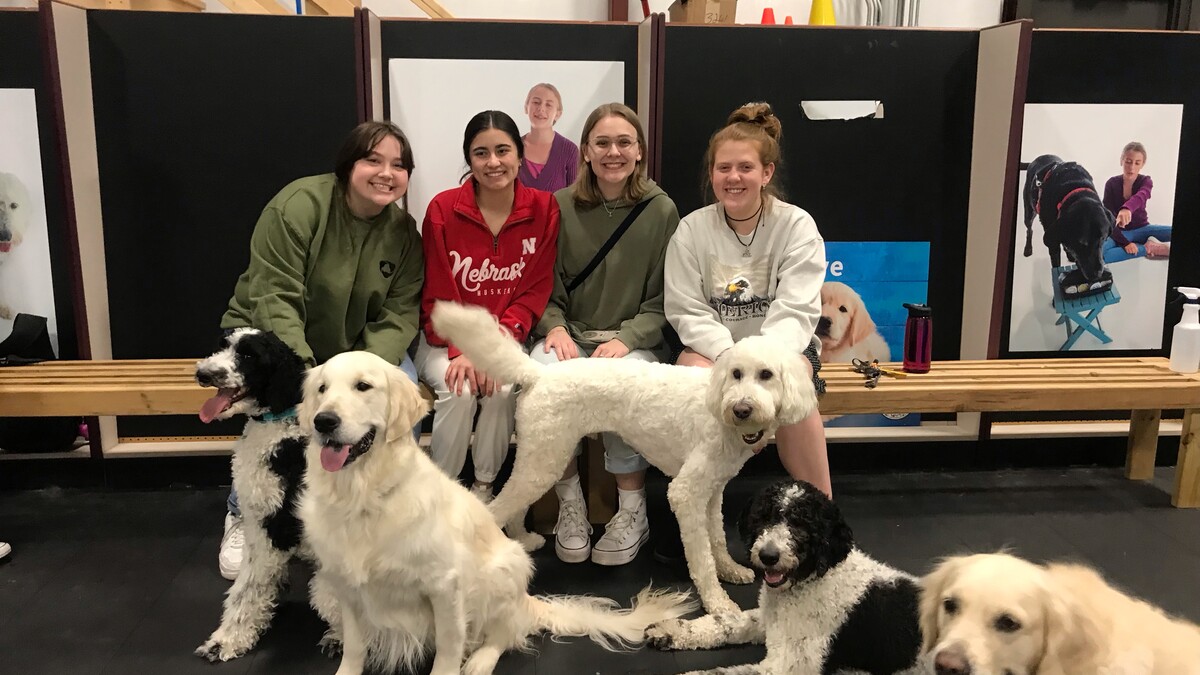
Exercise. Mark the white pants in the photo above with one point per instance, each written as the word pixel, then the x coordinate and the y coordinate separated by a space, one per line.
pixel 619 458
pixel 453 415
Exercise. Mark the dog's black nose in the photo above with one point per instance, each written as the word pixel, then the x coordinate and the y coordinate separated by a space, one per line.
pixel 205 378
pixel 326 422
pixel 951 662
pixel 769 555
pixel 742 411
pixel 823 325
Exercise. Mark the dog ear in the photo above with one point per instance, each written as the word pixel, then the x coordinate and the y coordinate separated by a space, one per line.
pixel 861 324
pixel 308 401
pixel 1071 634
pixel 839 538
pixel 932 587
pixel 799 396
pixel 283 388
pixel 718 381
pixel 407 405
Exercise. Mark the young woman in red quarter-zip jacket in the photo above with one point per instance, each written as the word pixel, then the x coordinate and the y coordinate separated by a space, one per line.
pixel 490 242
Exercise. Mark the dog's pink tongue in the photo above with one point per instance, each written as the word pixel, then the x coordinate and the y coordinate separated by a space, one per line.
pixel 334 458
pixel 773 577
pixel 215 405
pixel 5 246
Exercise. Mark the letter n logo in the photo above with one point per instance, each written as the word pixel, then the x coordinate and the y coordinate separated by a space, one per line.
pixel 528 246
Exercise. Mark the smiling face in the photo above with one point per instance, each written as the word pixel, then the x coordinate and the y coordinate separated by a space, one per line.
pixel 793 532
pixel 378 179
pixel 613 152
pixel 738 177
pixel 494 159
pixel 254 373
pixel 543 107
pixel 758 385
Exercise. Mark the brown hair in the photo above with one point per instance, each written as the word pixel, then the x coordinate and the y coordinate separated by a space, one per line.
pixel 1134 146
pixel 545 85
pixel 585 192
pixel 756 123
pixel 361 141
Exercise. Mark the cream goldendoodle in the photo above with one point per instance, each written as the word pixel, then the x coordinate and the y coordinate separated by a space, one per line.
pixel 697 425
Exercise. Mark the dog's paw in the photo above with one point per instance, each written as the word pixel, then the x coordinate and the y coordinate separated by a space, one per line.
pixel 665 634
pixel 735 574
pixel 330 644
pixel 531 541
pixel 215 651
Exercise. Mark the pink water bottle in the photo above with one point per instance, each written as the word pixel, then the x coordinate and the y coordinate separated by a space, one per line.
pixel 918 338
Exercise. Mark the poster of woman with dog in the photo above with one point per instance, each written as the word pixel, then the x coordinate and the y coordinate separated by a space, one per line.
pixel 1093 234
pixel 26 285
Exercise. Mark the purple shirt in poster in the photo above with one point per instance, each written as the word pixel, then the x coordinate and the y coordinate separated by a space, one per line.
pixel 559 170
pixel 1114 201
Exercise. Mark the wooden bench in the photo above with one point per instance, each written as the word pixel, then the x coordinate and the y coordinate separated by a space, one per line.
pixel 1145 386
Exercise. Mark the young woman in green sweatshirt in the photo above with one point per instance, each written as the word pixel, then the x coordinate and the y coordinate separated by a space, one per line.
pixel 616 312
pixel 335 265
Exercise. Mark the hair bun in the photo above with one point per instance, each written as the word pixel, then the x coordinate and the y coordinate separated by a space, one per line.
pixel 758 113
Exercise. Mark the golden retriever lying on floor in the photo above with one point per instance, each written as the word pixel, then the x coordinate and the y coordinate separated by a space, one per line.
pixel 408 559
pixel 1000 615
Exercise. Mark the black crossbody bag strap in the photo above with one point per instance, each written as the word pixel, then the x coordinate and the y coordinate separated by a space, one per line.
pixel 612 241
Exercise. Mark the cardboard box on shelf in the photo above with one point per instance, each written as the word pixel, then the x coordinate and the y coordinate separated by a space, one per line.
pixel 702 11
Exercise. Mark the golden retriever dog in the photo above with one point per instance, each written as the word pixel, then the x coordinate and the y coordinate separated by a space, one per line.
pixel 407 559
pixel 996 614
pixel 15 212
pixel 846 329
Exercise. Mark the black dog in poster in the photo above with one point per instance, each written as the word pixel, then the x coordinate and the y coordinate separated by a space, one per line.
pixel 1063 197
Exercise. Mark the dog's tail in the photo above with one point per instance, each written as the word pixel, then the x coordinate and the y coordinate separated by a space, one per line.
pixel 600 620
pixel 477 333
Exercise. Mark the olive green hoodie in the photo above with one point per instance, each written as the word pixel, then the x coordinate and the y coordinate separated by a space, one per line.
pixel 624 294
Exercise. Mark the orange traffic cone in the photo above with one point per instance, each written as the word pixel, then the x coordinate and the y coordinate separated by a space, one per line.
pixel 822 13
pixel 768 15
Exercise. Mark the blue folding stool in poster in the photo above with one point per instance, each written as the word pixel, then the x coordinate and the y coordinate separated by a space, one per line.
pixel 862 309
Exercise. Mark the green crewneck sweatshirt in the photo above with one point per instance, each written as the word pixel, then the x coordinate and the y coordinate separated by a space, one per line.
pixel 624 294
pixel 326 281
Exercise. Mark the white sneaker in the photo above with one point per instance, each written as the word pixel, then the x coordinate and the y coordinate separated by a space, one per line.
pixel 483 492
pixel 230 558
pixel 573 532
pixel 1157 249
pixel 623 537
pixel 5 549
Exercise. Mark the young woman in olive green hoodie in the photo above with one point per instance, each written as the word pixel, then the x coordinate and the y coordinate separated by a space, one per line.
pixel 616 312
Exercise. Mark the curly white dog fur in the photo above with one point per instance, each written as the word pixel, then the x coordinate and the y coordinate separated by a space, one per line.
pixel 257 375
pixel 410 557
pixel 995 614
pixel 695 424
pixel 15 212
pixel 824 607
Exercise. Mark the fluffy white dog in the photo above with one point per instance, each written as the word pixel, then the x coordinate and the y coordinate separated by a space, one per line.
pixel 407 558
pixel 15 211
pixel 698 425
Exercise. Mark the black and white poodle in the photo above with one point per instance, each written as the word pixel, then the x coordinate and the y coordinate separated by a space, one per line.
pixel 259 376
pixel 825 607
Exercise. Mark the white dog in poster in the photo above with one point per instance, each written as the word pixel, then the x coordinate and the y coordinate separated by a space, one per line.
pixel 14 221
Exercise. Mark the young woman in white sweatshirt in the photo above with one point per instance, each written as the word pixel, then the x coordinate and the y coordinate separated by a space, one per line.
pixel 750 264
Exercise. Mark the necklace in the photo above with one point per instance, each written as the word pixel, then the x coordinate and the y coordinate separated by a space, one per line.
pixel 752 216
pixel 746 246
pixel 611 211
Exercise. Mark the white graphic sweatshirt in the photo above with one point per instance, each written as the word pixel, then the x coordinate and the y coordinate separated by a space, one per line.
pixel 716 295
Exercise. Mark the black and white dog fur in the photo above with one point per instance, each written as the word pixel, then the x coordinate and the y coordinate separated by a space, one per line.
pixel 257 375
pixel 825 606
pixel 1063 197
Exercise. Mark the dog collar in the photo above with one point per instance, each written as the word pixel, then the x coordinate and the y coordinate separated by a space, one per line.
pixel 1037 206
pixel 275 417
pixel 1071 194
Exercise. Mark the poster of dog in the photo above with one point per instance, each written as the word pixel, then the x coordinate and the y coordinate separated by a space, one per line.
pixel 1097 191
pixel 436 131
pixel 862 308
pixel 26 285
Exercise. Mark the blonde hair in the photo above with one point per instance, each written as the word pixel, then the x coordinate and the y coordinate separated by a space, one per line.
pixel 586 192
pixel 1134 146
pixel 756 123
pixel 545 85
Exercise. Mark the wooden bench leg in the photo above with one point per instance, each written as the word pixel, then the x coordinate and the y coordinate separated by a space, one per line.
pixel 1187 469
pixel 1143 444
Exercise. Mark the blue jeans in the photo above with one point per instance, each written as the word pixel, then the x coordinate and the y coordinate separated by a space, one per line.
pixel 409 369
pixel 1114 253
